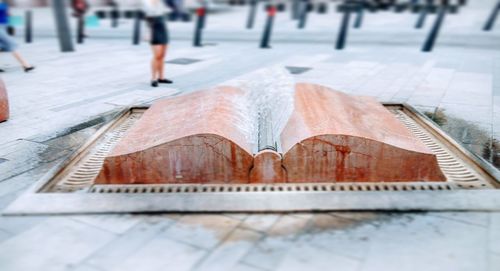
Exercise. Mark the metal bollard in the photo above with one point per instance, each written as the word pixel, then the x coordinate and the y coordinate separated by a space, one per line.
pixel 251 14
pixel 341 39
pixel 266 36
pixel 421 18
pixel 295 9
pixel 115 14
pixel 431 39
pixel 80 26
pixel 62 26
pixel 359 18
pixel 493 16
pixel 304 4
pixel 136 37
pixel 200 24
pixel 28 32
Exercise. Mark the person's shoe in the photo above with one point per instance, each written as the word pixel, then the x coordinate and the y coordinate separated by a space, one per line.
pixel 27 69
pixel 154 83
pixel 165 81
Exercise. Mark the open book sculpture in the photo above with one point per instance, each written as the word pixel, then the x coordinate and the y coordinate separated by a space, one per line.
pixel 330 137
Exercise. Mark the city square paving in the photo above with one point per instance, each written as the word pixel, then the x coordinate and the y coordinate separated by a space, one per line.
pixel 58 106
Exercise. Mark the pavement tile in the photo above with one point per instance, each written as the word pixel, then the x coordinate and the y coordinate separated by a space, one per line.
pixel 304 257
pixel 161 253
pixel 204 231
pixel 227 254
pixel 260 222
pixel 494 233
pixel 54 244
pixel 128 243
pixel 437 243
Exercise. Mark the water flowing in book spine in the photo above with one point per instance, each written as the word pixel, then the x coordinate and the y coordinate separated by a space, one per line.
pixel 266 105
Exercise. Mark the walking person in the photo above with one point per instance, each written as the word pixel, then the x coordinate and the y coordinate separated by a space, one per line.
pixel 80 7
pixel 155 17
pixel 7 44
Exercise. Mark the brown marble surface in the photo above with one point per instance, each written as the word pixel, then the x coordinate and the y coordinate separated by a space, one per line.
pixel 330 137
pixel 335 136
pixel 193 138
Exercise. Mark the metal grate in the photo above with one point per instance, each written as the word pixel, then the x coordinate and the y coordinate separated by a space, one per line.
pixel 297 70
pixel 83 173
pixel 273 188
pixel 183 61
pixel 451 166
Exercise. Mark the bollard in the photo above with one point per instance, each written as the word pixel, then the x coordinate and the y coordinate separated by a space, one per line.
pixel 493 16
pixel 266 36
pixel 62 26
pixel 322 8
pixel 359 18
pixel 80 26
pixel 115 14
pixel 251 14
pixel 28 32
pixel 421 18
pixel 295 9
pixel 431 39
pixel 304 9
pixel 136 37
pixel 344 25
pixel 200 24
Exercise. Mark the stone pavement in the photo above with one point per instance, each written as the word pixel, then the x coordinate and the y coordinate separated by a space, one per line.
pixel 64 101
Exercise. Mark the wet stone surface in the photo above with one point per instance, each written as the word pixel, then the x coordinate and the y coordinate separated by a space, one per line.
pixel 470 135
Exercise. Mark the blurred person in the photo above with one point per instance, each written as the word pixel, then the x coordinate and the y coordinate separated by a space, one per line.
pixel 80 7
pixel 154 11
pixel 7 44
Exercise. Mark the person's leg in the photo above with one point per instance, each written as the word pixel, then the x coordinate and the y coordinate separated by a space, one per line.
pixel 154 62
pixel 162 62
pixel 21 60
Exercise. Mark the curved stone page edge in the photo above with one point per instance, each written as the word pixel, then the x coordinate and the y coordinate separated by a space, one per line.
pixel 202 158
pixel 336 146
pixel 320 110
pixel 210 111
pixel 202 138
pixel 345 158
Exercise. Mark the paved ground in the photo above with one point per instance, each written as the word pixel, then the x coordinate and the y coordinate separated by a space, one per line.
pixel 55 108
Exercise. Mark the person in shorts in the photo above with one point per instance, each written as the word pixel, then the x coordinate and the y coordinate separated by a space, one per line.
pixel 7 44
pixel 154 11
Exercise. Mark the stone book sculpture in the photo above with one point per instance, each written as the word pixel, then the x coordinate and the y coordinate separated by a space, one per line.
pixel 203 137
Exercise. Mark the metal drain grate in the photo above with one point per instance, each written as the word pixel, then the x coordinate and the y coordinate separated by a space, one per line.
pixel 276 188
pixel 83 173
pixel 454 170
pixel 183 61
pixel 297 70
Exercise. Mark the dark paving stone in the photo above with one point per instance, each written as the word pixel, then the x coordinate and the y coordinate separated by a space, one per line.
pixel 183 61
pixel 26 155
pixel 297 70
pixel 93 123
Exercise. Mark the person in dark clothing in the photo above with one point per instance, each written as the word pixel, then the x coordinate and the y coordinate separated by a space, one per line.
pixel 154 11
